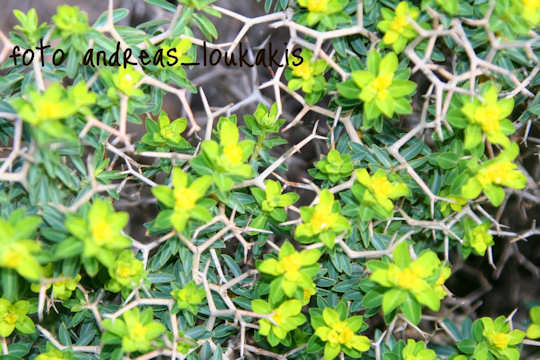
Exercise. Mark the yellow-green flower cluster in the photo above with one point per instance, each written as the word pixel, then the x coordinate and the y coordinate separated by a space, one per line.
pixel 375 194
pixel 272 202
pixel 293 270
pixel 165 132
pixel 228 158
pixel 70 21
pixel 327 12
pixel 14 316
pixel 410 282
pixel 416 350
pixel 322 222
pixel 490 176
pixel 339 334
pixel 189 297
pixel 500 339
pixel 126 80
pixel 382 87
pixel 17 250
pixel 46 110
pixel 477 236
pixel 398 31
pixel 487 116
pixel 185 198
pixel 333 167
pixel 126 272
pixel 307 75
pixel 286 317
pixel 100 233
pixel 138 330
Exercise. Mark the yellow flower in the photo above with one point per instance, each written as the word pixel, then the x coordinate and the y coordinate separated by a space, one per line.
pixel 500 340
pixel 531 11
pixel 380 191
pixel 278 316
pixel 185 198
pixel 317 5
pixel 293 269
pixel 340 333
pixel 497 173
pixel 407 279
pixel 322 219
pixel 398 31
pixel 381 84
pixel 101 231
pixel 304 70
pixel 488 116
pixel 233 153
pixel 399 23
pixel 381 186
pixel 290 265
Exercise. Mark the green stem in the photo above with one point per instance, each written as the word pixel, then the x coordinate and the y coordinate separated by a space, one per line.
pixel 9 284
pixel 258 148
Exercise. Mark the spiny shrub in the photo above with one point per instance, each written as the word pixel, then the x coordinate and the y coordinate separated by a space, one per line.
pixel 427 115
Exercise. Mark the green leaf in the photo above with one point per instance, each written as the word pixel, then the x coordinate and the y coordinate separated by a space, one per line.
pixel 392 299
pixel 164 4
pixel 401 255
pixel 411 309
pixel 347 89
pixel 69 248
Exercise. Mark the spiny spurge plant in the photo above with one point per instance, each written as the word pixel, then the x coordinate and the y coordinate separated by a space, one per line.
pixel 487 117
pixel 498 341
pixel 126 272
pixel 125 80
pixel 264 121
pixel 226 160
pixel 189 297
pixel 416 350
pixel 512 18
pixel 327 13
pixel 155 205
pixel 29 25
pixel 164 134
pixel 70 21
pixel 53 353
pixel 47 110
